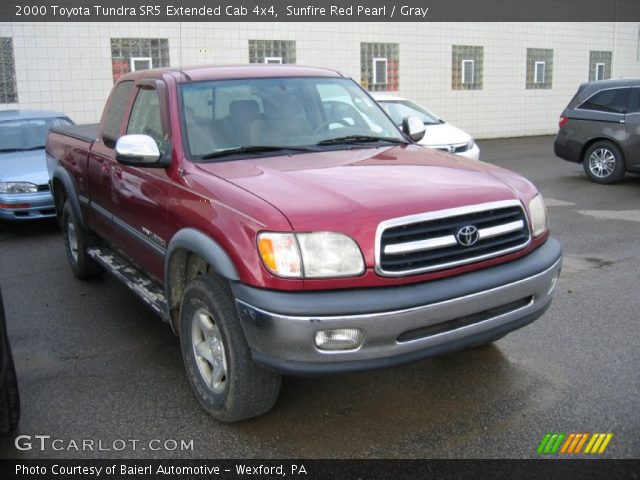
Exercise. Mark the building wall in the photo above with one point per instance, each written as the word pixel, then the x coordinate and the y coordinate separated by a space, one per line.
pixel 67 66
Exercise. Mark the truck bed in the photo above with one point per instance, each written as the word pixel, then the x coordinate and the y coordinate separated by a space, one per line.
pixel 87 132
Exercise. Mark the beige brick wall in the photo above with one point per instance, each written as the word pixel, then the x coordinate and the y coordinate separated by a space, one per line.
pixel 67 66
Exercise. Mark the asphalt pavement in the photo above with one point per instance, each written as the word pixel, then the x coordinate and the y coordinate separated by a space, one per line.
pixel 97 368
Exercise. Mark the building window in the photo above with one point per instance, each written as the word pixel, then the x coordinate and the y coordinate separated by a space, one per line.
pixel 141 63
pixel 379 71
pixel 466 67
pixel 539 68
pixel 379 66
pixel 8 91
pixel 539 72
pixel 272 51
pixel 599 65
pixel 131 54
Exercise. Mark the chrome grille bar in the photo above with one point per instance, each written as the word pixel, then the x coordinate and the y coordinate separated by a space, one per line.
pixel 430 239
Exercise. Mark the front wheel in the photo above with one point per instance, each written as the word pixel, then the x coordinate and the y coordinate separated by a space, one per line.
pixel 224 378
pixel 603 163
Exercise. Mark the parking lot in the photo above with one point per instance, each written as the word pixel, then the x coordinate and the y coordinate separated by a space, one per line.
pixel 94 363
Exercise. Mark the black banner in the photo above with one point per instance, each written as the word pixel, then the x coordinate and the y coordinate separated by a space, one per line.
pixel 311 469
pixel 320 10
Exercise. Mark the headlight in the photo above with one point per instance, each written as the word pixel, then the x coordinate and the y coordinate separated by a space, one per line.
pixel 18 187
pixel 538 213
pixel 310 255
pixel 326 254
pixel 471 144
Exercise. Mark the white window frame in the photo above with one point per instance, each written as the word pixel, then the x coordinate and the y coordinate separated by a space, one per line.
pixel 599 66
pixel 376 80
pixel 536 78
pixel 274 60
pixel 141 59
pixel 464 65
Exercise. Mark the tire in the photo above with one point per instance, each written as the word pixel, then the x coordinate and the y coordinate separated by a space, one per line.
pixel 77 241
pixel 603 163
pixel 224 379
pixel 9 397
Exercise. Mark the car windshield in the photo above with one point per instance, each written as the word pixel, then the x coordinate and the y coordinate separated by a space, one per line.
pixel 250 117
pixel 398 110
pixel 27 133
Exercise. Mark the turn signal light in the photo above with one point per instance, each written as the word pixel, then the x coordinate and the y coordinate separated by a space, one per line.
pixel 14 206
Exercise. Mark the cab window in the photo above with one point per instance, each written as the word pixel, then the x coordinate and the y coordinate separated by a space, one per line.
pixel 146 117
pixel 114 112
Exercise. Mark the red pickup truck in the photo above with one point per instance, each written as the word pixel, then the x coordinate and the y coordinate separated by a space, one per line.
pixel 281 223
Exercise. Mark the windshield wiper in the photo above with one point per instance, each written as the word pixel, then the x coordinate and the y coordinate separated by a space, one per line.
pixel 360 139
pixel 254 149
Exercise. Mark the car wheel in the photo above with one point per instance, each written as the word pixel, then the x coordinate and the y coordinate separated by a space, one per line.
pixel 9 397
pixel 224 378
pixel 603 163
pixel 77 241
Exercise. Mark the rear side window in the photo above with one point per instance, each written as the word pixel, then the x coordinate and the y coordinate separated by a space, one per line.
pixel 614 100
pixel 114 113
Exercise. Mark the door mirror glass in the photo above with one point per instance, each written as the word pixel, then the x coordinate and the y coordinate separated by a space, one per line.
pixel 414 128
pixel 137 150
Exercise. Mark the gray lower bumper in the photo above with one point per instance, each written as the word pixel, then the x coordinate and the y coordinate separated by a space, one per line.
pixel 437 317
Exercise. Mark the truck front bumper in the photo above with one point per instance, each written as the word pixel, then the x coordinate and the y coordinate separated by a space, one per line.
pixel 398 324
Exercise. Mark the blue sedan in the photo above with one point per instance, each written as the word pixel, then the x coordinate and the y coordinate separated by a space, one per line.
pixel 24 180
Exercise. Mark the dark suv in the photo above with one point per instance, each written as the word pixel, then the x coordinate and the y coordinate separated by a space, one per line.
pixel 600 128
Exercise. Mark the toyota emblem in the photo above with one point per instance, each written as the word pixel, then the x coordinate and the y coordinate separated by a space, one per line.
pixel 467 236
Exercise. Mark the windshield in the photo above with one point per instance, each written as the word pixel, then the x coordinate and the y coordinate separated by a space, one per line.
pixel 27 133
pixel 249 116
pixel 398 110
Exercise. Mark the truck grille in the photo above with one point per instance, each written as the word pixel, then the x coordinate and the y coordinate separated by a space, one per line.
pixel 449 238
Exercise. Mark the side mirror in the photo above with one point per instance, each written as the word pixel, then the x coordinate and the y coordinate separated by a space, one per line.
pixel 138 151
pixel 413 127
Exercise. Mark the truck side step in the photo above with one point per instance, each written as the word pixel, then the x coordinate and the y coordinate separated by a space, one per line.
pixel 139 283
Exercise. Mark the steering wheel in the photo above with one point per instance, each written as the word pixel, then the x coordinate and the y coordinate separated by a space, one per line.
pixel 325 125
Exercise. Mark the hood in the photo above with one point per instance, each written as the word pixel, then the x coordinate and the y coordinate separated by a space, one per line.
pixel 352 191
pixel 443 134
pixel 28 166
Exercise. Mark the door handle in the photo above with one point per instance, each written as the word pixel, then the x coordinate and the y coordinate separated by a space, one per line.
pixel 622 121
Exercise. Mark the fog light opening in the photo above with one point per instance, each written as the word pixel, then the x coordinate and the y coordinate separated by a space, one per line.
pixel 339 339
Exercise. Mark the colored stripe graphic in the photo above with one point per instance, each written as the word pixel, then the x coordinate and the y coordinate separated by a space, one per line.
pixel 550 443
pixel 572 443
pixel 598 443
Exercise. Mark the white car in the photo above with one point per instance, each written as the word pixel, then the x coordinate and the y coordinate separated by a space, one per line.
pixel 439 135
